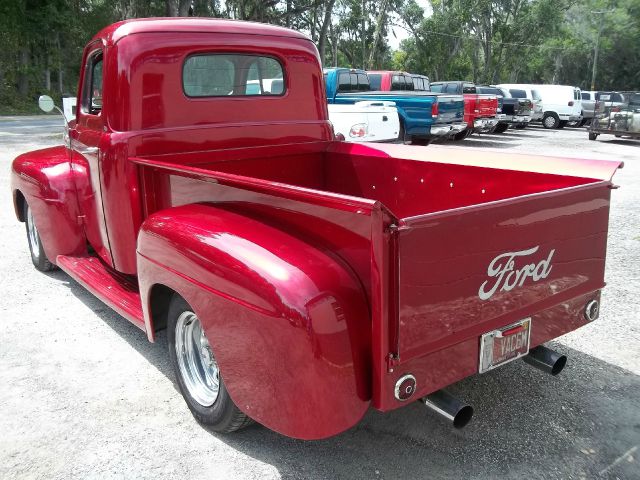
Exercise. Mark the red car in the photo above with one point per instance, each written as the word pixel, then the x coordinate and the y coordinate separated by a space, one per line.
pixel 302 280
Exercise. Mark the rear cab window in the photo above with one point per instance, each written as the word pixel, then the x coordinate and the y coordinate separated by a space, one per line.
pixel 468 88
pixel 220 75
pixel 516 93
pixel 375 81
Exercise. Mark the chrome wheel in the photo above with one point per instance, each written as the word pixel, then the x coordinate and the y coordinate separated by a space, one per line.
pixel 198 366
pixel 550 122
pixel 32 232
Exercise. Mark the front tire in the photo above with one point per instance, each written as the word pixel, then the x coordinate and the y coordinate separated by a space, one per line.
pixel 550 120
pixel 593 136
pixel 38 257
pixel 197 371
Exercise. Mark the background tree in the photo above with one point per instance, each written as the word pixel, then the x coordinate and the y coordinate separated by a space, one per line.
pixel 492 41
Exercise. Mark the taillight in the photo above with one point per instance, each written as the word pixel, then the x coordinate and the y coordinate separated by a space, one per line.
pixel 434 109
pixel 358 130
pixel 571 103
pixel 615 109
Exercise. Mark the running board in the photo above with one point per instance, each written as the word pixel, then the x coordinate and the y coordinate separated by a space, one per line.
pixel 114 289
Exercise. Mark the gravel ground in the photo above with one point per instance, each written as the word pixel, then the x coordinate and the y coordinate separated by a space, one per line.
pixel 84 395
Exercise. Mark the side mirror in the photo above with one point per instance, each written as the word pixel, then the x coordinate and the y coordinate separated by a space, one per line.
pixel 45 102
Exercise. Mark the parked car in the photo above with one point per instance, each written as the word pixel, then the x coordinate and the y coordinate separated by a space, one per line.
pixel 515 112
pixel 479 110
pixel 301 280
pixel 560 103
pixel 424 116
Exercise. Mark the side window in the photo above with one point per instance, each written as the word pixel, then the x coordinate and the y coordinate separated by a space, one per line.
pixel 363 82
pixel 344 82
pixel 408 82
pixel 397 82
pixel 535 95
pixel 586 96
pixel 436 88
pixel 92 92
pixel 218 75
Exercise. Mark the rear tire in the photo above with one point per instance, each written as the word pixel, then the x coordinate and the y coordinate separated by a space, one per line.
pixel 402 136
pixel 461 135
pixel 197 372
pixel 550 120
pixel 38 257
pixel 501 128
pixel 562 124
pixel 521 126
pixel 593 136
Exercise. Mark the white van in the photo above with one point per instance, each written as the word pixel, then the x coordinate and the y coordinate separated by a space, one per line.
pixel 560 103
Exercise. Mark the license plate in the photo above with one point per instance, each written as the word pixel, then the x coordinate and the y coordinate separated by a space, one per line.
pixel 504 345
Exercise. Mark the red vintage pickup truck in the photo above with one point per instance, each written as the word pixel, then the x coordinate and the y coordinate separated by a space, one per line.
pixel 302 280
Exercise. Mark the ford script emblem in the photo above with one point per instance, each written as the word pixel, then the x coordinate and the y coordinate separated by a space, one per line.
pixel 504 273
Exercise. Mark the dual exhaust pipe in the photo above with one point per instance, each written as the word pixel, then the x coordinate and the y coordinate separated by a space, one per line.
pixel 459 413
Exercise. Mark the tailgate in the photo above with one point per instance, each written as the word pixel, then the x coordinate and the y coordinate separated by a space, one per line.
pixel 450 109
pixel 486 105
pixel 383 121
pixel 467 271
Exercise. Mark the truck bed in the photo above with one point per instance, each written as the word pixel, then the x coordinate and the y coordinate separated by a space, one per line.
pixel 420 229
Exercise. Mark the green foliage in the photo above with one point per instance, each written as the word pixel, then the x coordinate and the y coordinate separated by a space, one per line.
pixel 479 40
pixel 529 41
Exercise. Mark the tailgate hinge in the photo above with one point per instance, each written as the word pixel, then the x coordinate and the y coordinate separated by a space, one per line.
pixel 391 228
pixel 393 359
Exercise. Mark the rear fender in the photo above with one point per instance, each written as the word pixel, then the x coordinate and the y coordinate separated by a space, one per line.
pixel 44 180
pixel 288 322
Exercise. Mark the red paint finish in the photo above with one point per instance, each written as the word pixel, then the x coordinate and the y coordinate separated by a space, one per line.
pixel 45 180
pixel 479 106
pixel 322 271
pixel 116 290
pixel 288 322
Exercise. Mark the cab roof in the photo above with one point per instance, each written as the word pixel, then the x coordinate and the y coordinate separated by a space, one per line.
pixel 115 32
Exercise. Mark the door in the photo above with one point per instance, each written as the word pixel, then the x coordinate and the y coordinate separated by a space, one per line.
pixel 86 138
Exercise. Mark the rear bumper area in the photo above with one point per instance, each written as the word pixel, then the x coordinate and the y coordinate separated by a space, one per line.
pixel 454 362
pixel 448 129
pixel 520 119
pixel 484 124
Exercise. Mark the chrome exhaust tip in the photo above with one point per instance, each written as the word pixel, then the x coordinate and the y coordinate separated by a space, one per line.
pixel 545 359
pixel 450 407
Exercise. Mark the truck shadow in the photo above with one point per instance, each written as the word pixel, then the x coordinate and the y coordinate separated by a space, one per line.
pixel 576 425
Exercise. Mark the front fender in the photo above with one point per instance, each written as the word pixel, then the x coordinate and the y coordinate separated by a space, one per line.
pixel 288 321
pixel 44 179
